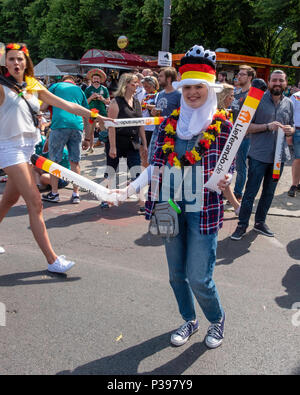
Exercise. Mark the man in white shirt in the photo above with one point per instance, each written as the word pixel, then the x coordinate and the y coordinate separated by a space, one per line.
pixel 296 144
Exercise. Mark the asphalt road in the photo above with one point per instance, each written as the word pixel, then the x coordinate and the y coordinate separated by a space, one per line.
pixel 113 313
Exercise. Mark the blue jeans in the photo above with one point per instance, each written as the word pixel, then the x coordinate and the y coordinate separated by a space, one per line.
pixel 241 167
pixel 296 143
pixel 191 259
pixel 258 172
pixel 58 138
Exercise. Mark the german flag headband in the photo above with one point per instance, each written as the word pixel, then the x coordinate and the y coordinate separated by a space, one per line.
pixel 18 47
pixel 198 66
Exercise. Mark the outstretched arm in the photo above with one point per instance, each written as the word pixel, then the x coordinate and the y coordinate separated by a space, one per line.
pixel 71 107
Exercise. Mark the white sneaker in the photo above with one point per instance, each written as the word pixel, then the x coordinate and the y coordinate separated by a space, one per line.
pixel 2 250
pixel 61 265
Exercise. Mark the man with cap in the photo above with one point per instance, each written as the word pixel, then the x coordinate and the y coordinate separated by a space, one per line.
pixel 97 96
pixel 188 146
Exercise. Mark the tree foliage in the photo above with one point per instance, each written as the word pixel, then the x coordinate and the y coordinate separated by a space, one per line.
pixel 67 28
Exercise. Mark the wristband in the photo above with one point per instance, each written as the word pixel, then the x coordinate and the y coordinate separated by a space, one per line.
pixel 87 139
pixel 94 115
pixel 174 206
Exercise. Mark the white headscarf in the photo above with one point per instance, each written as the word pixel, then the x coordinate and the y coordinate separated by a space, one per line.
pixel 192 121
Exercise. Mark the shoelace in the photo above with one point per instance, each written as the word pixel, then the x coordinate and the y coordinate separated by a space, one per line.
pixel 185 329
pixel 215 331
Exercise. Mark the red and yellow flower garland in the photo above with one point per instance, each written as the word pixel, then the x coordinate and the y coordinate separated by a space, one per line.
pixel 196 154
pixel 148 97
pixel 19 47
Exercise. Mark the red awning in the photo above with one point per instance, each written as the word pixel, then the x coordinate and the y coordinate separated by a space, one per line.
pixel 111 59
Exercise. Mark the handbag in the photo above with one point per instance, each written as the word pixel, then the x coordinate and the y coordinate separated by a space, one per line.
pixel 164 221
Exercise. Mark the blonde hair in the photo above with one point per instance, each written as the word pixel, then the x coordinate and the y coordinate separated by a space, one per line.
pixel 125 79
pixel 227 89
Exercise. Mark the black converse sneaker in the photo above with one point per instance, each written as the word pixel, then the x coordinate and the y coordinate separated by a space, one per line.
pixel 215 334
pixel 182 335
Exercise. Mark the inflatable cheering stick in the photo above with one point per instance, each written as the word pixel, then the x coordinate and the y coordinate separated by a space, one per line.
pixel 59 171
pixel 237 134
pixel 125 122
pixel 278 154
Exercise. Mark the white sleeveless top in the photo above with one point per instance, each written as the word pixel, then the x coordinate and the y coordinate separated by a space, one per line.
pixel 16 123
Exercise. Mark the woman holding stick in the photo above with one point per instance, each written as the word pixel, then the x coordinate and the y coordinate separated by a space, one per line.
pixel 189 144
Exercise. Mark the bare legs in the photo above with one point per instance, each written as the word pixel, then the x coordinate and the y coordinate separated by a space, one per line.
pixel 296 172
pixel 21 183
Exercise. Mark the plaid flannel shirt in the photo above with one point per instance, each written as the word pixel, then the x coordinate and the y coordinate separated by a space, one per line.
pixel 211 217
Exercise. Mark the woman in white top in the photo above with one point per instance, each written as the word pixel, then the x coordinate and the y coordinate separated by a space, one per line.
pixel 18 136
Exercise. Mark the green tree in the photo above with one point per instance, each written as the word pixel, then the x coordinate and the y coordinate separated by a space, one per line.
pixel 13 25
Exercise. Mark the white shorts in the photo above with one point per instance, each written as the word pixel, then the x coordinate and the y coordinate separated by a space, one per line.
pixel 10 156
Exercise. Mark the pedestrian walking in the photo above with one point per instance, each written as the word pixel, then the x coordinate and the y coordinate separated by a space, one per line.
pixel 18 137
pixel 245 76
pixel 274 111
pixel 191 139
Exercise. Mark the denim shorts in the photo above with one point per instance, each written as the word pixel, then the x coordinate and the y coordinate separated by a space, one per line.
pixel 58 138
pixel 296 143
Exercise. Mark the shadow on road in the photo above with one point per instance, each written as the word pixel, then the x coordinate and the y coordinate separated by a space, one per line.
pixel 293 249
pixel 230 250
pixel 291 280
pixel 148 240
pixel 27 278
pixel 127 362
pixel 93 214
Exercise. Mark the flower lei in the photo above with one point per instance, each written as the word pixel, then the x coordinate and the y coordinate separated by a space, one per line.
pixel 196 154
pixel 147 98
pixel 19 47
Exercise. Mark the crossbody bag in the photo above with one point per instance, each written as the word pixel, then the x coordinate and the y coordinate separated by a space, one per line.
pixel 164 220
pixel 19 90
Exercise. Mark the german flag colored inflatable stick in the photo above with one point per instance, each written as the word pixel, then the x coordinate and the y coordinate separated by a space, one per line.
pixel 278 154
pixel 125 122
pixel 237 134
pixel 56 170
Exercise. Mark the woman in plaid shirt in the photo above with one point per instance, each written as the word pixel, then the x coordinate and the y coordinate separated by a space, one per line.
pixel 190 143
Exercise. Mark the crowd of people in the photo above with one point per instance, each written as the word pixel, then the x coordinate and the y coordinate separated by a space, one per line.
pixel 200 109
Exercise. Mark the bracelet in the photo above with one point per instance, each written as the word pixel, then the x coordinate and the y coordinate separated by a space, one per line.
pixel 87 139
pixel 94 115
